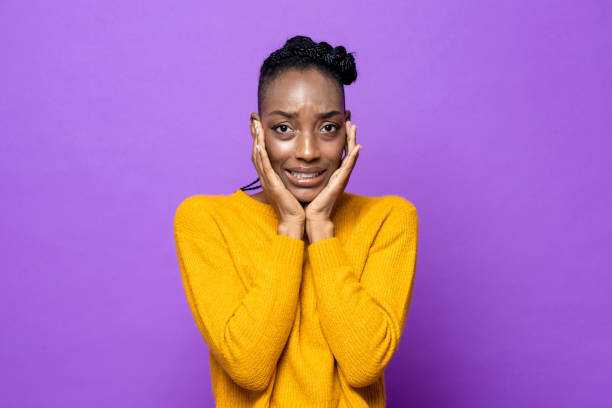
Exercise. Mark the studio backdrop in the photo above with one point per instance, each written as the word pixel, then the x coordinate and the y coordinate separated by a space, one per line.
pixel 492 118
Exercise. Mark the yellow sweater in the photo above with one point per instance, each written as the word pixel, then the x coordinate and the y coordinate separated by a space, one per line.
pixel 290 325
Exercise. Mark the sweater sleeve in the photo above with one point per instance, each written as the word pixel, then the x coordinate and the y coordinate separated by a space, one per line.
pixel 362 320
pixel 245 328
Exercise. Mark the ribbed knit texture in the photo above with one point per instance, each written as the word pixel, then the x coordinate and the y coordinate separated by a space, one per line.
pixel 295 325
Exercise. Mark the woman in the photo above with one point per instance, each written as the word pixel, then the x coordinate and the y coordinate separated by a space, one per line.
pixel 300 291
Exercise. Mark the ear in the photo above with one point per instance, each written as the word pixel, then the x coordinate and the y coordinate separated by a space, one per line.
pixel 254 117
pixel 347 115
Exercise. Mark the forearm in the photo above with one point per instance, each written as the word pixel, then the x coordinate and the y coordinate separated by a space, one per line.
pixel 362 331
pixel 238 326
pixel 261 325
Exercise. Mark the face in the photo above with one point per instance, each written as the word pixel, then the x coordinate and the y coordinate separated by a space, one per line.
pixel 303 117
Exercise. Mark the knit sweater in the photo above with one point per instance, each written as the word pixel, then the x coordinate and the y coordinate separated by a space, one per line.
pixel 294 325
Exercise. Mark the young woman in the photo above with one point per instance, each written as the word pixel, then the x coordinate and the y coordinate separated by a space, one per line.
pixel 300 291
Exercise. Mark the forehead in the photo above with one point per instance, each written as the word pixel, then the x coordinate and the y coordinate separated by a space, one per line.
pixel 305 91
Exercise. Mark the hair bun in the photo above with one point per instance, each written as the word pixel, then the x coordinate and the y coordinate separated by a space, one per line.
pixel 336 59
pixel 301 52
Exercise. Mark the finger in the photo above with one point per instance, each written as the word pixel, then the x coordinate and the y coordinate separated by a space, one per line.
pixel 271 176
pixel 355 155
pixel 347 166
pixel 353 163
pixel 262 178
pixel 345 172
pixel 353 137
pixel 255 155
pixel 257 133
pixel 256 158
pixel 347 130
pixel 260 167
pixel 254 152
pixel 258 161
pixel 351 140
pixel 353 159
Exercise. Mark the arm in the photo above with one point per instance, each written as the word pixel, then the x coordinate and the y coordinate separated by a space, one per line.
pixel 245 328
pixel 363 319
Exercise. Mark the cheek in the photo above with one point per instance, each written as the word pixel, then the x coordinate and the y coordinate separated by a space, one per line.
pixel 333 151
pixel 277 151
pixel 281 148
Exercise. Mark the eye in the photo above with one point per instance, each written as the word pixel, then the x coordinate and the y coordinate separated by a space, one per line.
pixel 283 128
pixel 330 127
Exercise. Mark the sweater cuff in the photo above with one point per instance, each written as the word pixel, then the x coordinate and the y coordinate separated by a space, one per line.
pixel 327 254
pixel 287 252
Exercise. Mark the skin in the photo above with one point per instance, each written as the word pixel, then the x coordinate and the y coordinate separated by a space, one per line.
pixel 305 139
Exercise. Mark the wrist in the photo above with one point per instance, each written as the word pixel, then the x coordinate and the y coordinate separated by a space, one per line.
pixel 318 230
pixel 291 229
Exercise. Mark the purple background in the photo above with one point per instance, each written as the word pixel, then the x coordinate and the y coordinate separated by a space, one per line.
pixel 493 118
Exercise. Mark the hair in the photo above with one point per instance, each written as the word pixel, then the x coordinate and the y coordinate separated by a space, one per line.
pixel 301 52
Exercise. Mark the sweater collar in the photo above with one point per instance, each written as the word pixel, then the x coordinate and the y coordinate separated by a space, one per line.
pixel 265 210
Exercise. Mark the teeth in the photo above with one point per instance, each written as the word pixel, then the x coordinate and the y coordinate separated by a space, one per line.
pixel 304 175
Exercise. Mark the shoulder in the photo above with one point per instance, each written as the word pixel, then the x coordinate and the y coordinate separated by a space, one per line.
pixel 195 212
pixel 193 204
pixel 389 219
pixel 401 205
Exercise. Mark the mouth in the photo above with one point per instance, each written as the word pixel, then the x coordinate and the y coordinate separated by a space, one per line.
pixel 305 179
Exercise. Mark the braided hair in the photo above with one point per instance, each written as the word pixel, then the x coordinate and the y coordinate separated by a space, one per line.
pixel 302 52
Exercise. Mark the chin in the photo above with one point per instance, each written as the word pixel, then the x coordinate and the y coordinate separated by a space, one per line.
pixel 305 195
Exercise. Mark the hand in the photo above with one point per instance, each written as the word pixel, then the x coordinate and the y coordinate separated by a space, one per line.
pixel 320 208
pixel 287 207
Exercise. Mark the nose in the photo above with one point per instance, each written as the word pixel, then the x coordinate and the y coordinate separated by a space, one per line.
pixel 307 148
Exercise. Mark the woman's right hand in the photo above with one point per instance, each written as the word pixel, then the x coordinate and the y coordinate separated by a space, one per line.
pixel 290 212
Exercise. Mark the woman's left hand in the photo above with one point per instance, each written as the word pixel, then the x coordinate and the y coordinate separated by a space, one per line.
pixel 320 208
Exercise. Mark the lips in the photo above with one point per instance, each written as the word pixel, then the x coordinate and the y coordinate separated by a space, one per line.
pixel 306 181
pixel 307 170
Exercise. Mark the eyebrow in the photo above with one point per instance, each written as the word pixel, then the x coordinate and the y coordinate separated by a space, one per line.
pixel 323 115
